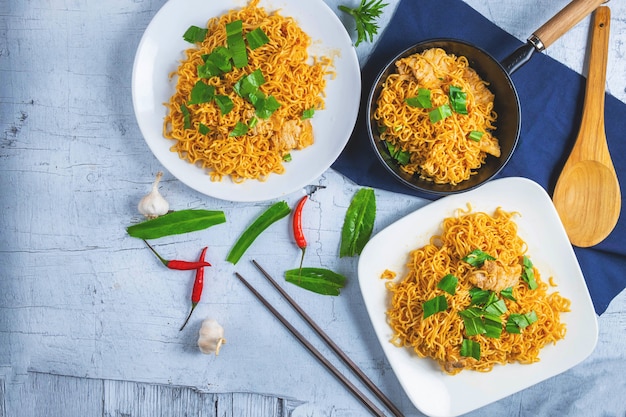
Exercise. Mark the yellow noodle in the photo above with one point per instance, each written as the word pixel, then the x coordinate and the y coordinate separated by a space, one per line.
pixel 441 152
pixel 294 78
pixel 440 336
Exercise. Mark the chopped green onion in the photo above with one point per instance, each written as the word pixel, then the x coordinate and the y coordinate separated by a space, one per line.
pixel 470 349
pixel 256 38
pixel 475 135
pixel 249 84
pixel 458 99
pixel 516 322
pixel 224 103
pixel 382 128
pixel 497 307
pixel 186 116
pixel 435 305
pixel 271 215
pixel 203 129
pixel 477 258
pixel 493 326
pixel 439 113
pixel 481 297
pixel 287 157
pixel 508 294
pixel 396 152
pixel 253 122
pixel 240 129
pixel 528 273
pixel 195 34
pixel 216 63
pixel 201 93
pixel 421 100
pixel 478 321
pixel 308 113
pixel 265 107
pixel 448 284
pixel 236 44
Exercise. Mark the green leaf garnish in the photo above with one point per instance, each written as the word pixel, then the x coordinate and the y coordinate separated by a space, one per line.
pixel 458 99
pixel 516 322
pixel 224 103
pixel 471 349
pixel 256 38
pixel 195 34
pixel 203 129
pixel 508 294
pixel 421 100
pixel 249 84
pixel 439 113
pixel 216 63
pixel 201 93
pixel 265 106
pixel 186 116
pixel 475 135
pixel 365 18
pixel 358 223
pixel 448 284
pixel 176 222
pixel 236 44
pixel 396 152
pixel 240 129
pixel 477 258
pixel 319 280
pixel 435 305
pixel 528 273
pixel 308 113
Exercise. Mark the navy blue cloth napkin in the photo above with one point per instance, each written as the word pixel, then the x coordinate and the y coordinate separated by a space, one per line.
pixel 551 97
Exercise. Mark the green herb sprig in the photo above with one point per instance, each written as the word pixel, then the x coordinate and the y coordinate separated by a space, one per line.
pixel 365 17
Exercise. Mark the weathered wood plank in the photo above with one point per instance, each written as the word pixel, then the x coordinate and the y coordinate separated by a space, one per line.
pixel 45 394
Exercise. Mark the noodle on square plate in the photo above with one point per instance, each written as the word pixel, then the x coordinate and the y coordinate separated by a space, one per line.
pixel 424 299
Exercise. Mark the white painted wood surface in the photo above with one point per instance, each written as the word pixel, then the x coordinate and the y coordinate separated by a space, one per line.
pixel 83 306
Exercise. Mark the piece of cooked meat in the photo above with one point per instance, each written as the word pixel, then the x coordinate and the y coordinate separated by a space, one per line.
pixel 490 145
pixel 495 276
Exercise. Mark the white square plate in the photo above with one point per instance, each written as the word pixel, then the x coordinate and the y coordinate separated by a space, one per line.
pixel 431 390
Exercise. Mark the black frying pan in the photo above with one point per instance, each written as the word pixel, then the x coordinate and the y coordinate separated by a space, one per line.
pixel 497 74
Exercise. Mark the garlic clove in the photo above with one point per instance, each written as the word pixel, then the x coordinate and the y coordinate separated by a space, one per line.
pixel 210 337
pixel 153 205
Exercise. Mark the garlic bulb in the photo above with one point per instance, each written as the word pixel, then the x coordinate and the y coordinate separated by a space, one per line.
pixel 153 205
pixel 211 337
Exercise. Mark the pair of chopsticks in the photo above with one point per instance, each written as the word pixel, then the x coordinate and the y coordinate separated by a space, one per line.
pixel 351 387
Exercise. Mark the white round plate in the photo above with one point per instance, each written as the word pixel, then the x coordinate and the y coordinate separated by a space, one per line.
pixel 159 53
pixel 433 392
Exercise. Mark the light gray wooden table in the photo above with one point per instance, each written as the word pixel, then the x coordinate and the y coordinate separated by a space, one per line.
pixel 89 321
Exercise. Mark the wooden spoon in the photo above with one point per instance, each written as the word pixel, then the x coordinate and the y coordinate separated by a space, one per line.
pixel 587 194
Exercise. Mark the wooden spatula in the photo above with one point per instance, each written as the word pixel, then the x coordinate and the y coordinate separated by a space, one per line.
pixel 587 194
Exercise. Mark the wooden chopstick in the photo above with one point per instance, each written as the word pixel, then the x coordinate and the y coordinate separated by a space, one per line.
pixel 366 401
pixel 381 396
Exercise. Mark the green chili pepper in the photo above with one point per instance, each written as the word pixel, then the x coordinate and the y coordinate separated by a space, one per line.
pixel 176 222
pixel 274 213
pixel 319 280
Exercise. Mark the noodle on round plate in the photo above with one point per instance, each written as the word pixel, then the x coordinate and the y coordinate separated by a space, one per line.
pixel 439 111
pixel 241 142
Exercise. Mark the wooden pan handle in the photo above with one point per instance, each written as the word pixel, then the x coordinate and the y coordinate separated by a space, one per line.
pixel 564 20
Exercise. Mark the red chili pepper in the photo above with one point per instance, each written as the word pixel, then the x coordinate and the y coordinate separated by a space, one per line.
pixel 196 293
pixel 176 263
pixel 298 233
